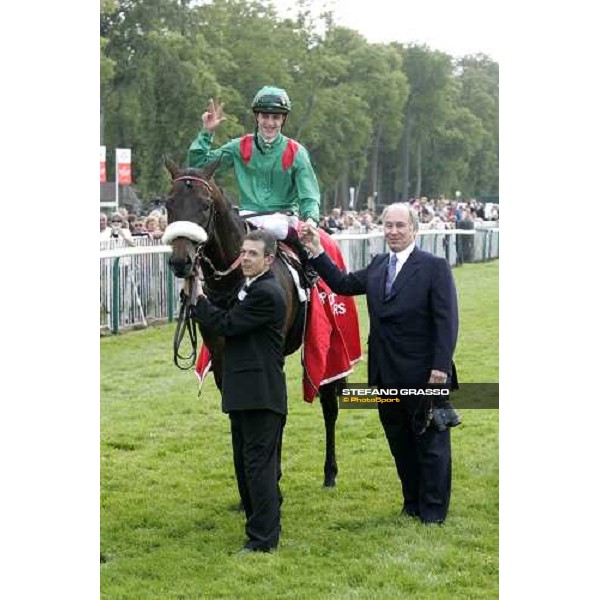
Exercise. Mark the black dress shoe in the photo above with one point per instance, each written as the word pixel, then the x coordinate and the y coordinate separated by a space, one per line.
pixel 246 550
pixel 432 521
pixel 409 512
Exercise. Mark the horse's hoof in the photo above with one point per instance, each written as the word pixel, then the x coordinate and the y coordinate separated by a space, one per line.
pixel 329 483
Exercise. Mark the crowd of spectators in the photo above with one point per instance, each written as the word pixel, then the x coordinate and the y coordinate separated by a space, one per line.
pixel 433 214
pixel 122 225
pixel 349 221
pixel 449 214
pixel 440 213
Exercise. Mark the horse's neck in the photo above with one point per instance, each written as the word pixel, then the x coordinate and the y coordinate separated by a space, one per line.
pixel 224 247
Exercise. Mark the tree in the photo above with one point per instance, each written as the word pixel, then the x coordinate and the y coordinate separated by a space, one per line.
pixel 479 77
pixel 152 103
pixel 428 74
pixel 378 117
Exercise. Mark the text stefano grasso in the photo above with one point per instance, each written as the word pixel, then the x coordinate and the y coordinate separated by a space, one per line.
pixel 383 392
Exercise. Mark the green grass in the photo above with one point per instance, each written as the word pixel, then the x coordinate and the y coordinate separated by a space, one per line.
pixel 170 528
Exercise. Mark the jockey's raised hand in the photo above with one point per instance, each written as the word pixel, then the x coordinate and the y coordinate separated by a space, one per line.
pixel 213 116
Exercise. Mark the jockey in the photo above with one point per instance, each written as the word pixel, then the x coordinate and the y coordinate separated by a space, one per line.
pixel 273 172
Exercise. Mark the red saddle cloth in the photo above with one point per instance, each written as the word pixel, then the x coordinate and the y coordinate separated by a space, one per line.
pixel 332 343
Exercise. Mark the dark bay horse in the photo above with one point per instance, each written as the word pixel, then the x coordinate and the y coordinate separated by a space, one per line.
pixel 209 233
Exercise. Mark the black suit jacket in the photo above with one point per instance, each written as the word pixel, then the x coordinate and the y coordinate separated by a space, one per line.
pixel 253 376
pixel 412 331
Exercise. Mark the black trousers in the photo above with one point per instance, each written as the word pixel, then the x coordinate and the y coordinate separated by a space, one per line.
pixel 423 461
pixel 256 437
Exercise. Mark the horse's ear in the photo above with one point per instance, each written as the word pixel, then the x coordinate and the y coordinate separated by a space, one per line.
pixel 171 166
pixel 210 169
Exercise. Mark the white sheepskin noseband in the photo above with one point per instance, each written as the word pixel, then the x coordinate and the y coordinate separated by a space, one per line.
pixel 185 229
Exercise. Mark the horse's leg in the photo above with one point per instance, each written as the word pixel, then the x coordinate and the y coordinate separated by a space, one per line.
pixel 330 413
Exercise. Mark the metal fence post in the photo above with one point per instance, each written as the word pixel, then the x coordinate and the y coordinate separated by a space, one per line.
pixel 486 248
pixel 115 296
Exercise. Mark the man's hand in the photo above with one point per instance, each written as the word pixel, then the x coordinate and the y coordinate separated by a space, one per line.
pixel 438 376
pixel 187 286
pixel 213 116
pixel 199 288
pixel 309 236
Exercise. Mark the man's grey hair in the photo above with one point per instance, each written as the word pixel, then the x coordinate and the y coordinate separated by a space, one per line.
pixel 412 213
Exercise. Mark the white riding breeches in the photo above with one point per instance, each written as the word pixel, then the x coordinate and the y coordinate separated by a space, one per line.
pixel 276 223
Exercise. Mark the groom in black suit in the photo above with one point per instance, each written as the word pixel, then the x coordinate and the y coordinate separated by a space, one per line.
pixel 413 317
pixel 254 391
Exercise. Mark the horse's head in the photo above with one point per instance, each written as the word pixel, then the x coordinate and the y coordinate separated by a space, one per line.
pixel 190 214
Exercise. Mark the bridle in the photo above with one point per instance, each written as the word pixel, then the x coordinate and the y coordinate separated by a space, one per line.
pixel 185 322
pixel 210 226
pixel 210 231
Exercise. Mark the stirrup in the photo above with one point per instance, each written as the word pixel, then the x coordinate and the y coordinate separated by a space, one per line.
pixel 311 275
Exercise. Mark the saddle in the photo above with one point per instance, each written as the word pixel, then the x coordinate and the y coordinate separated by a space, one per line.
pixel 293 253
pixel 308 276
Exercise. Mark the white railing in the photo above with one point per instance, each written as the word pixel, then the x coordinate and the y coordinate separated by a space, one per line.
pixel 455 245
pixel 137 286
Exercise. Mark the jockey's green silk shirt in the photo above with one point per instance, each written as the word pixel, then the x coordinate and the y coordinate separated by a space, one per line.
pixel 262 182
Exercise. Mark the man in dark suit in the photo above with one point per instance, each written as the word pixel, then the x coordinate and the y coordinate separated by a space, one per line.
pixel 254 389
pixel 413 329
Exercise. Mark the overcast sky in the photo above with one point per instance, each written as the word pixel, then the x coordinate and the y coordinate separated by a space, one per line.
pixel 457 27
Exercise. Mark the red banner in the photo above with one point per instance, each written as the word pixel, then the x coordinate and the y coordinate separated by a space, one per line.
pixel 332 343
pixel 124 173
pixel 102 164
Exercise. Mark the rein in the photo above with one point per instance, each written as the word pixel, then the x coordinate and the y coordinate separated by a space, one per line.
pixel 185 323
pixel 216 273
